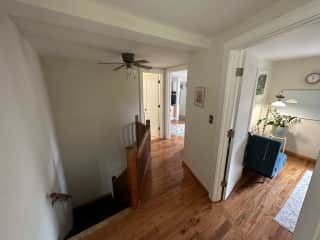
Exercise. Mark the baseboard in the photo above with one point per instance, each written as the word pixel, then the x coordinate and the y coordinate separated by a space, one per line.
pixel 300 156
pixel 187 167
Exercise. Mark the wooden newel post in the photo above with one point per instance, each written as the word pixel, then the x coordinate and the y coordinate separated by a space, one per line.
pixel 133 176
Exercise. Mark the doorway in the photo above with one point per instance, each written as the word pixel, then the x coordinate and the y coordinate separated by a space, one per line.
pixel 151 84
pixel 177 101
pixel 271 88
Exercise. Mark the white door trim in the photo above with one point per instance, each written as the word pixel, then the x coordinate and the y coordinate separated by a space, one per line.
pixel 308 13
pixel 167 96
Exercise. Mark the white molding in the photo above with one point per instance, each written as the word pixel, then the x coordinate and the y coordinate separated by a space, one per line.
pixel 94 16
pixel 308 13
pixel 177 68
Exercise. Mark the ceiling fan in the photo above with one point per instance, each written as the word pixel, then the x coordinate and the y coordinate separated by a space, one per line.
pixel 129 62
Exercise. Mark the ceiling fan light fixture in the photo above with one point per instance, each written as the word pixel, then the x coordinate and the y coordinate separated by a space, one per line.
pixel 292 101
pixel 278 104
pixel 129 62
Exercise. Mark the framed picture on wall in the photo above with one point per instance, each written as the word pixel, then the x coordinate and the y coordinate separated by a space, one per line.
pixel 199 96
pixel 261 84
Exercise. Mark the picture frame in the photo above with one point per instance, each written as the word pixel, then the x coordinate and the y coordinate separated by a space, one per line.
pixel 199 96
pixel 261 83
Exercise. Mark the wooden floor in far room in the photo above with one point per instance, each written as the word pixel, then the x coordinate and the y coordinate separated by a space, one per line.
pixel 176 206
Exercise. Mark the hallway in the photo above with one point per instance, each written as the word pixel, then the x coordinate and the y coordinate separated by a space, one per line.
pixel 176 206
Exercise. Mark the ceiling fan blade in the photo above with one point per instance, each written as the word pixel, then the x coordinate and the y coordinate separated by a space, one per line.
pixel 117 68
pixel 110 63
pixel 141 66
pixel 141 61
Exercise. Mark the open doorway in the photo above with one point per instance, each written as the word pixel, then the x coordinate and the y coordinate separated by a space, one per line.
pixel 275 124
pixel 178 98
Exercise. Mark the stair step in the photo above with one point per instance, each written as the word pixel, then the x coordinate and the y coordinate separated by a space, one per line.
pixel 101 224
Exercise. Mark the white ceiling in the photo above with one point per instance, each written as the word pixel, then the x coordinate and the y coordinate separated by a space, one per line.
pixel 163 32
pixel 206 17
pixel 50 39
pixel 300 42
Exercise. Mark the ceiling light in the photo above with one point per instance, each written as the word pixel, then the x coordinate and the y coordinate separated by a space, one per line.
pixel 293 101
pixel 278 104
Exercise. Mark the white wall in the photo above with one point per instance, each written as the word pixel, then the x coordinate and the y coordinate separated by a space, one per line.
pixel 304 138
pixel 30 162
pixel 260 101
pixel 201 137
pixel 92 108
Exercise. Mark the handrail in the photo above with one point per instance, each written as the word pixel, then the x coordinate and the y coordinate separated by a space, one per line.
pixel 143 142
pixel 54 196
pixel 128 187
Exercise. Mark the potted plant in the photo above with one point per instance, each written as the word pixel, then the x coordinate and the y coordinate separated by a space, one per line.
pixel 280 123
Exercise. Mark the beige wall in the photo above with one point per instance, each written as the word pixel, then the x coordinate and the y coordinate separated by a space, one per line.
pixel 201 137
pixel 30 162
pixel 92 108
pixel 290 74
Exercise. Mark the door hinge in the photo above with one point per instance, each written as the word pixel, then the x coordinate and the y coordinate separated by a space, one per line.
pixel 230 133
pixel 159 128
pixel 224 183
pixel 239 72
pixel 159 81
pixel 159 106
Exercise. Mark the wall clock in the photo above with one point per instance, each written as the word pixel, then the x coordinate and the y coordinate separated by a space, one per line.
pixel 313 78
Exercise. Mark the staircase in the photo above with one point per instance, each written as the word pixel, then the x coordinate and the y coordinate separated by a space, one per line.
pixel 127 188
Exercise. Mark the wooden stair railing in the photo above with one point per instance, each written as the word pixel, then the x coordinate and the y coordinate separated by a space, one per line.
pixel 128 187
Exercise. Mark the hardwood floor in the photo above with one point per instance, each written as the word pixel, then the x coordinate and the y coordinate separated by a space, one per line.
pixel 176 206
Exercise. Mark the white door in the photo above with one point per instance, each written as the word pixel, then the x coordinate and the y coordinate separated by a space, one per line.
pixel 243 112
pixel 151 101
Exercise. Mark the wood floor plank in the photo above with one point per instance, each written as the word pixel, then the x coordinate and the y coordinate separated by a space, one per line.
pixel 176 206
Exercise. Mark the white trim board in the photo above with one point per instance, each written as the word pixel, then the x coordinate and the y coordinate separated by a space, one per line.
pixel 167 91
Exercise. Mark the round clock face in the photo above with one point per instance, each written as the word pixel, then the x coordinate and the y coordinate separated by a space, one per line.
pixel 313 78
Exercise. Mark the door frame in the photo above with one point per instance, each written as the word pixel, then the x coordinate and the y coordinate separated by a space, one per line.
pixel 308 13
pixel 168 97
pixel 141 100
